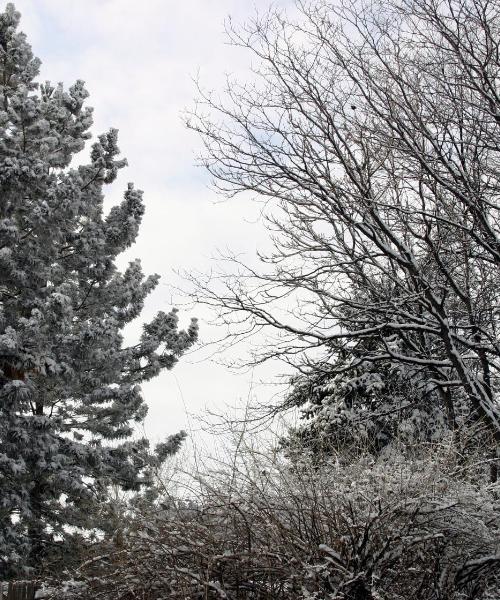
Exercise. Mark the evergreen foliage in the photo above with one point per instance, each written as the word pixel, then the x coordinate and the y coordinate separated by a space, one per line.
pixel 357 400
pixel 69 388
pixel 357 406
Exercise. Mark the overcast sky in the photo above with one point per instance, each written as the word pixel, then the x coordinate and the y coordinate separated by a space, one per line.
pixel 138 60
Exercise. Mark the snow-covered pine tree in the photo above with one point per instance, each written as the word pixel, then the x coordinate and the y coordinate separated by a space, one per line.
pixel 69 388
pixel 358 398
pixel 353 405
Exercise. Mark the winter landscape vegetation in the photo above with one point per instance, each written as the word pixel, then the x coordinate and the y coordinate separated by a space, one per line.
pixel 365 135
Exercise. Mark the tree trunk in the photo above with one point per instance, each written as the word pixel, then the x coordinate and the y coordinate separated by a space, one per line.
pixel 36 526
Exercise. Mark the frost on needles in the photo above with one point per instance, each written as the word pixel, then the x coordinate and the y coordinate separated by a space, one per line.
pixel 69 389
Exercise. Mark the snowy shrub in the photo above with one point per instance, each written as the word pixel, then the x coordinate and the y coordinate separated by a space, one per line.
pixel 420 526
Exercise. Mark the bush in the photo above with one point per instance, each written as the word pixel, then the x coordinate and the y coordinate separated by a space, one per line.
pixel 411 526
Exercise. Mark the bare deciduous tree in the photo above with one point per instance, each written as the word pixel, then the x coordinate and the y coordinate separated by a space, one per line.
pixel 373 130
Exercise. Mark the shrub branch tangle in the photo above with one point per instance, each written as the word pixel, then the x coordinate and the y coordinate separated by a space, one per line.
pixel 374 131
pixel 421 527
